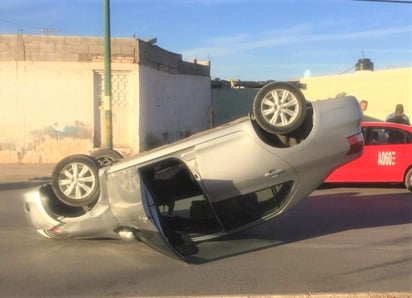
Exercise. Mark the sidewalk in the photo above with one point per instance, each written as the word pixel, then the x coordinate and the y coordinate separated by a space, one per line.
pixel 23 173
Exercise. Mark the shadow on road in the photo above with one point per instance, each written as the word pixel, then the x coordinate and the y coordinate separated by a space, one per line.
pixel 320 214
pixel 325 212
pixel 24 184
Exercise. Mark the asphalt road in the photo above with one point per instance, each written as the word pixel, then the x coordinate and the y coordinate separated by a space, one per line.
pixel 343 240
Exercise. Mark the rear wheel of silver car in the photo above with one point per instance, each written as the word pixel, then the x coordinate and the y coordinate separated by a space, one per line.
pixel 408 180
pixel 75 180
pixel 279 108
pixel 105 157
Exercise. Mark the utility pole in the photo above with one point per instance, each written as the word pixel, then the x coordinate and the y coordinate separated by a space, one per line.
pixel 107 98
pixel 48 31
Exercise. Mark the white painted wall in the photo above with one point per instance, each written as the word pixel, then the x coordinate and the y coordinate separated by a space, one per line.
pixel 37 95
pixel 383 89
pixel 172 104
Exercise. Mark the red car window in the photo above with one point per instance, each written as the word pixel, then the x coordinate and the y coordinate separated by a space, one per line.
pixel 383 136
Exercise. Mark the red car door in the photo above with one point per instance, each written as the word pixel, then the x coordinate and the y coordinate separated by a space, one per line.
pixel 385 158
pixel 383 163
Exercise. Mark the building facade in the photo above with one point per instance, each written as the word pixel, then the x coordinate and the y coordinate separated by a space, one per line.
pixel 51 90
pixel 383 89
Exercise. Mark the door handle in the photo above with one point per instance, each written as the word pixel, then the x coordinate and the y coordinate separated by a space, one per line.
pixel 274 173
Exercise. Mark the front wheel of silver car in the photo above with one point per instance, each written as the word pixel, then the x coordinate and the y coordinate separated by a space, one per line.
pixel 279 108
pixel 75 180
pixel 408 180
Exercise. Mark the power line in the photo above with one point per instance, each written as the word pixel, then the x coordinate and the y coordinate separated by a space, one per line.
pixel 388 1
pixel 47 31
pixel 20 28
pixel 349 69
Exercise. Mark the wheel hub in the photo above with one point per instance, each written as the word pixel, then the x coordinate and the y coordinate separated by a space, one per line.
pixel 76 181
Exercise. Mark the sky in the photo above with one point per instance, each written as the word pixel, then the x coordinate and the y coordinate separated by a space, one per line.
pixel 243 39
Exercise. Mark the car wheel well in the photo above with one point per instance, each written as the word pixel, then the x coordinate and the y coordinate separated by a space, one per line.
pixel 408 178
pixel 56 208
pixel 106 157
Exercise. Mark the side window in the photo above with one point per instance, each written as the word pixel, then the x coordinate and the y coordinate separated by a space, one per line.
pixel 244 209
pixel 396 136
pixel 408 138
pixel 374 136
pixel 383 136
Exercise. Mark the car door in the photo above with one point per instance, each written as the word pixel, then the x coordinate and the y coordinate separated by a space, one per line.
pixel 238 164
pixel 383 156
pixel 176 204
pixel 133 205
pixel 391 156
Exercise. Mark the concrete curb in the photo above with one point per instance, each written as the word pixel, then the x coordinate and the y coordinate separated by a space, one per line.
pixel 23 184
pixel 14 176
pixel 313 295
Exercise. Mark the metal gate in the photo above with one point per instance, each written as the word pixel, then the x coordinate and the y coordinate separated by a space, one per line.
pixel 120 108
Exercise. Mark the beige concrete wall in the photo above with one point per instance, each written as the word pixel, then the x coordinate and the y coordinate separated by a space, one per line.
pixel 172 106
pixel 48 95
pixel 40 97
pixel 383 89
pixel 47 109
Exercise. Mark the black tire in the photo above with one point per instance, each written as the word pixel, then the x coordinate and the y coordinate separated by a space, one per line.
pixel 408 179
pixel 75 180
pixel 279 108
pixel 105 157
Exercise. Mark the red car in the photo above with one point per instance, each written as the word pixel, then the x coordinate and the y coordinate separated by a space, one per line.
pixel 386 158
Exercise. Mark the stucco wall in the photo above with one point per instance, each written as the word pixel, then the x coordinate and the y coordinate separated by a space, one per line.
pixel 47 109
pixel 383 89
pixel 39 93
pixel 51 86
pixel 172 106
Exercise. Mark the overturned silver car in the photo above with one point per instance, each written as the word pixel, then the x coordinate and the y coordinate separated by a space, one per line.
pixel 211 184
